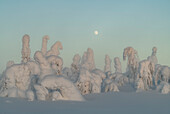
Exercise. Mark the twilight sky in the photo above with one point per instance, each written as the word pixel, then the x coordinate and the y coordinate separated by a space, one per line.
pixel 141 24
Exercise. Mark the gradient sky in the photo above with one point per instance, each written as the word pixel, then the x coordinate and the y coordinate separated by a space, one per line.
pixel 141 24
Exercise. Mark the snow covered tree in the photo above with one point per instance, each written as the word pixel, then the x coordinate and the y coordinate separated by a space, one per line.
pixel 88 60
pixel 75 66
pixel 107 67
pixel 132 65
pixel 26 51
pixel 146 72
pixel 153 57
pixel 44 44
pixel 89 82
pixel 118 67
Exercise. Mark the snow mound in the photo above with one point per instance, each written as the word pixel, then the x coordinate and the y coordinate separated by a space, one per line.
pixel 58 86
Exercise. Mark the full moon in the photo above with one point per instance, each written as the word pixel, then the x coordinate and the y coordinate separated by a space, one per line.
pixel 96 32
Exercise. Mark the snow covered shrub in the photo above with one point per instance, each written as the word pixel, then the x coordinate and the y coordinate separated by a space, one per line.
pixel 163 87
pixel 162 73
pixel 109 85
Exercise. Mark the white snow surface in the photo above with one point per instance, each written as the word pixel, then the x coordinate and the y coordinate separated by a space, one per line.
pixel 104 103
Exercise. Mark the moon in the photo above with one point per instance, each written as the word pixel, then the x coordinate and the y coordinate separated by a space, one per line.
pixel 96 32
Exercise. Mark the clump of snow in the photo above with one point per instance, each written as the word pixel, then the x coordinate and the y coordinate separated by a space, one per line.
pixel 56 63
pixel 55 49
pixel 67 73
pixel 9 64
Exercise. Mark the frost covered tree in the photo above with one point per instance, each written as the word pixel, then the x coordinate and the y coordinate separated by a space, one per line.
pixel 75 66
pixel 26 51
pixel 118 67
pixel 90 82
pixel 153 57
pixel 55 49
pixel 132 64
pixel 73 72
pixel 90 78
pixel 44 44
pixel 107 67
pixel 146 72
pixel 118 76
pixel 88 60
